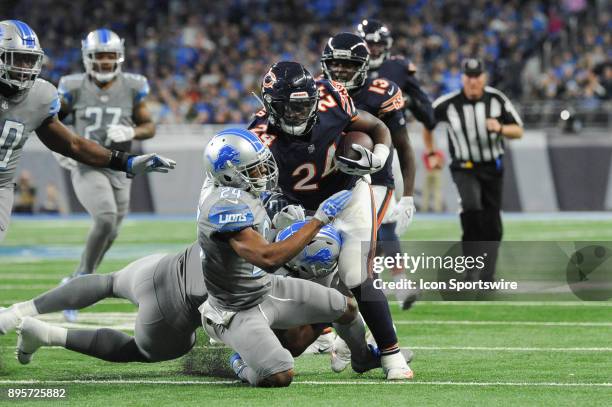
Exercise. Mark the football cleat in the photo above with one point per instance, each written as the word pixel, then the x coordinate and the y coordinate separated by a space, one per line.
pixel 323 344
pixel 396 367
pixel 9 319
pixel 372 361
pixel 340 355
pixel 31 335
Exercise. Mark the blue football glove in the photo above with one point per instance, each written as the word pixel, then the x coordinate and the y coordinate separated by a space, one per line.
pixel 332 206
pixel 141 164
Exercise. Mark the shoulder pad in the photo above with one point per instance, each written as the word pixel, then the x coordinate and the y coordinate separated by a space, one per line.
pixel 138 83
pixel 339 95
pixel 45 94
pixel 227 210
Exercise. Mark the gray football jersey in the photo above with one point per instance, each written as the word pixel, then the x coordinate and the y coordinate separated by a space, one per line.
pixel 18 119
pixel 232 282
pixel 95 109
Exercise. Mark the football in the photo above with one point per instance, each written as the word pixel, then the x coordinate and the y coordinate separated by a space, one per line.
pixel 353 137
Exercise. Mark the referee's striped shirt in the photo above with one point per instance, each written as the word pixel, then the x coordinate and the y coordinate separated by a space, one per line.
pixel 468 138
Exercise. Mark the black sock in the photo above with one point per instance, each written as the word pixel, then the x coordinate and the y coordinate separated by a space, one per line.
pixel 374 307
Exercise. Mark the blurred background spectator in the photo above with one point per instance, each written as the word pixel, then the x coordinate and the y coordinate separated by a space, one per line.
pixel 204 58
pixel 25 194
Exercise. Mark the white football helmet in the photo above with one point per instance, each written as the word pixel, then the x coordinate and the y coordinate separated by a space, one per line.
pixel 21 57
pixel 98 41
pixel 237 158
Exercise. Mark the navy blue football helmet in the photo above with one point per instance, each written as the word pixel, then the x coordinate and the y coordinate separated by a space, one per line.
pixel 290 97
pixel 345 60
pixel 379 41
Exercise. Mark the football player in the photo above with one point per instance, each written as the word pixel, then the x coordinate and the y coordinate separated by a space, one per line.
pixel 109 108
pixel 30 104
pixel 384 68
pixel 302 122
pixel 168 289
pixel 245 301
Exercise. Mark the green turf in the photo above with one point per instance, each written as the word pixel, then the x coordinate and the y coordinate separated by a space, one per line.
pixel 525 354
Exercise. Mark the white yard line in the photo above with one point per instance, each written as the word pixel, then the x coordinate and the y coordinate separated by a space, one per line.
pixel 517 303
pixel 509 323
pixel 306 382
pixel 507 349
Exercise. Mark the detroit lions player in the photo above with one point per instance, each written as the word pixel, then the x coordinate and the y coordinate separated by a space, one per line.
pixel 302 122
pixel 168 289
pixel 29 104
pixel 246 302
pixel 109 108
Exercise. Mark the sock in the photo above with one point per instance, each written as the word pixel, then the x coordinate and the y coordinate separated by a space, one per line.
pixel 56 336
pixel 25 309
pixel 106 344
pixel 374 307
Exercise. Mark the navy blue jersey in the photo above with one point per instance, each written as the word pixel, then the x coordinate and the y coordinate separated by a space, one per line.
pixel 307 172
pixel 401 71
pixel 383 99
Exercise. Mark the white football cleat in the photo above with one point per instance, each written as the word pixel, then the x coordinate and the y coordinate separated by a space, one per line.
pixel 323 344
pixel 340 355
pixel 395 367
pixel 9 319
pixel 31 335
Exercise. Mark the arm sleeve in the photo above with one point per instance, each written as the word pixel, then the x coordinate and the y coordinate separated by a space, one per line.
pixel 65 94
pixel 509 114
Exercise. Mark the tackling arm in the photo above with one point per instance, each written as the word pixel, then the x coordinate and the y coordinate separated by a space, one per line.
pixel 252 246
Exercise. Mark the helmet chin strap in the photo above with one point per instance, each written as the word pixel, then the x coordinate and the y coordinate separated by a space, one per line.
pixel 294 130
pixel 104 77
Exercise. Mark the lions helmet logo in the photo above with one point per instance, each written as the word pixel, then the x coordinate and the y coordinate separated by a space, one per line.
pixel 226 154
pixel 269 79
pixel 322 256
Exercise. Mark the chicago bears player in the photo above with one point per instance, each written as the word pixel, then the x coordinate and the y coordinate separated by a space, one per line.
pixel 302 122
pixel 245 301
pixel 109 108
pixel 29 104
pixel 345 60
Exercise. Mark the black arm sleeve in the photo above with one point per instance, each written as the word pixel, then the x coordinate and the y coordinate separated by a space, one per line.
pixel 419 103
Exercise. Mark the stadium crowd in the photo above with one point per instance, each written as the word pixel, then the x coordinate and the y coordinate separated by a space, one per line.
pixel 205 58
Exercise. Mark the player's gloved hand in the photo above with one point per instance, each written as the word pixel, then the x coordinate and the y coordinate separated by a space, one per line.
pixel 118 133
pixel 288 216
pixel 368 163
pixel 403 214
pixel 141 164
pixel 332 206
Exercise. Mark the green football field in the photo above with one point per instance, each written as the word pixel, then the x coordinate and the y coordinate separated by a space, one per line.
pixel 466 353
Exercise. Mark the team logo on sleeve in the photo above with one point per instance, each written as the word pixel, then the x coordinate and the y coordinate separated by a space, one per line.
pixel 226 154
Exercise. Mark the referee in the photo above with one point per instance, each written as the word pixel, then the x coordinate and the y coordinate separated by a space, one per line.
pixel 477 119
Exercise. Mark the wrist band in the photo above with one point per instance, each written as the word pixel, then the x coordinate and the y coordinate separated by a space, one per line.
pixel 118 161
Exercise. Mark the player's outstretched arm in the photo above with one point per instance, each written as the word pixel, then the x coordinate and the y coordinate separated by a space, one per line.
pixel 62 140
pixel 252 246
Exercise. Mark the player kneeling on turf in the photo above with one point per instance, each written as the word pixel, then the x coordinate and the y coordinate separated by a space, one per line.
pixel 245 301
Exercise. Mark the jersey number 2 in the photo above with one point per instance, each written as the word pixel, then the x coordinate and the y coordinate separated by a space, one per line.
pixel 11 135
pixel 311 170
pixel 96 113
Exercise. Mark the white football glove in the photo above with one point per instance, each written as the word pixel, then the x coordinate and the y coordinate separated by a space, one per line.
pixel 368 163
pixel 332 206
pixel 118 133
pixel 141 164
pixel 403 214
pixel 288 216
